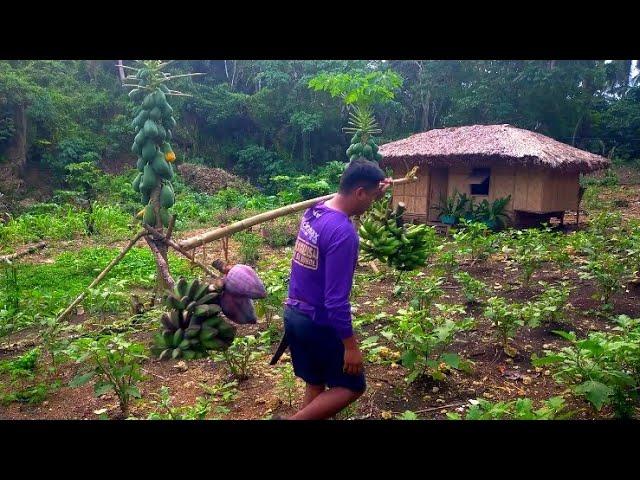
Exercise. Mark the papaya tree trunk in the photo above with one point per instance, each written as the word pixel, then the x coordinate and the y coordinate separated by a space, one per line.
pixel 164 280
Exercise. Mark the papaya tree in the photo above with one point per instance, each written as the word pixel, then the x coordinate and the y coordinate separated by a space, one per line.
pixel 360 92
pixel 153 125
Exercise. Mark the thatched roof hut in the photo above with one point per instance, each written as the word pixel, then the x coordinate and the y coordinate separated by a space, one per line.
pixel 496 144
pixel 490 162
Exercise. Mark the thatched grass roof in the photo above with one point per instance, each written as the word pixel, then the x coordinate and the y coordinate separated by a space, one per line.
pixel 488 144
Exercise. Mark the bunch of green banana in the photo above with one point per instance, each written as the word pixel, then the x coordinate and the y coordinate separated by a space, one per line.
pixel 194 324
pixel 385 237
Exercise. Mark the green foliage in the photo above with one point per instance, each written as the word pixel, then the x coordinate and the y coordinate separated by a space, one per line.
pixel 358 88
pixel 473 289
pixel 281 232
pixel 549 307
pixel 423 339
pixel 530 249
pixel 474 239
pixel 506 318
pixel 249 249
pixel 604 368
pixel 47 288
pixel 113 363
pixel 240 356
pixel 519 409
pixel 287 386
pixel 167 411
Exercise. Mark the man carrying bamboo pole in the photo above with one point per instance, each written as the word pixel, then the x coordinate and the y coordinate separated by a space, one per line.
pixel 317 315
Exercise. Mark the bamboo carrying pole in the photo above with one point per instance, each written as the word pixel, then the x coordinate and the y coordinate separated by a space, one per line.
pixel 209 237
pixel 219 233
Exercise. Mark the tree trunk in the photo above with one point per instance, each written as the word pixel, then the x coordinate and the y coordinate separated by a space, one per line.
pixel 16 153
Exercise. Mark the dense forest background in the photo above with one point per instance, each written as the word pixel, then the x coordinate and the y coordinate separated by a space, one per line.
pixel 259 118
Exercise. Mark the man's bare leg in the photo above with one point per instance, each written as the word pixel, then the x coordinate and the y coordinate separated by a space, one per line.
pixel 311 392
pixel 327 404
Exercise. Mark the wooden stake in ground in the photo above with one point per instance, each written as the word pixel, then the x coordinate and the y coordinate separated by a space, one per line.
pixel 103 274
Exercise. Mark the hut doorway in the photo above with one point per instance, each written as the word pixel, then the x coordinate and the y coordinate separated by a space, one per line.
pixel 438 188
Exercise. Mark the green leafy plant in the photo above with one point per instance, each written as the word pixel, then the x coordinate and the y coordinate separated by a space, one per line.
pixel 239 356
pixel 198 411
pixel 423 339
pixel 287 384
pixel 113 363
pixel 609 272
pixel 473 289
pixel 281 232
pixel 492 214
pixel 249 249
pixel 425 290
pixel 549 307
pixel 604 368
pixel 520 409
pixel 452 208
pixel 529 250
pixel 506 319
pixel 474 239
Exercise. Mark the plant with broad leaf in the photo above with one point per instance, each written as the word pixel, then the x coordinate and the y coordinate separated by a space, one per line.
pixel 609 272
pixel 604 368
pixel 240 355
pixel 113 363
pixel 423 339
pixel 529 249
pixel 473 289
pixel 506 319
pixel 519 409
pixel 425 290
pixel 168 411
pixel 550 306
pixel 475 240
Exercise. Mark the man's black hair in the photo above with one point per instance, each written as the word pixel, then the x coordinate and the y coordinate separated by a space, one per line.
pixel 361 173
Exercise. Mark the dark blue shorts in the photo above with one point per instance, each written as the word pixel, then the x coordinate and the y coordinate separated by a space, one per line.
pixel 317 353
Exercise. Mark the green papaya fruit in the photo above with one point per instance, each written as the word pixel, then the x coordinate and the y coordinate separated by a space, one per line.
pixel 150 129
pixel 148 102
pixel 136 183
pixel 149 179
pixel 161 167
pixel 155 114
pixel 149 151
pixel 149 216
pixel 164 217
pixel 140 164
pixel 167 198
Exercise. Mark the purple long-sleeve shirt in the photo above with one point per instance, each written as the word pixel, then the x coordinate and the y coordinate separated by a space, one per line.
pixel 322 268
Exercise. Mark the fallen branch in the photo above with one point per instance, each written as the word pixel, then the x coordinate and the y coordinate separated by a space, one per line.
pixel 30 249
pixel 102 274
pixel 219 233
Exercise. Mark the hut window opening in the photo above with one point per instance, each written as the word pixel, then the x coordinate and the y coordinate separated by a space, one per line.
pixel 479 181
